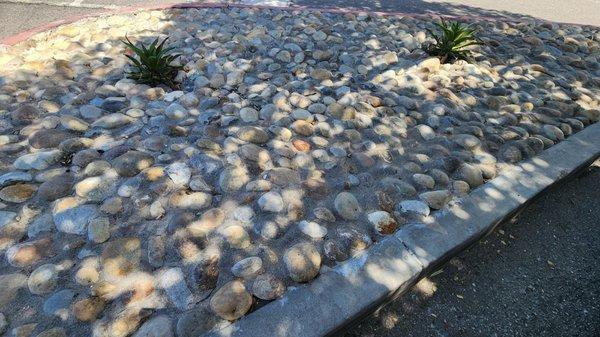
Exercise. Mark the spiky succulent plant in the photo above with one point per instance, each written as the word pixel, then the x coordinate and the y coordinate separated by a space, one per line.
pixel 453 41
pixel 153 65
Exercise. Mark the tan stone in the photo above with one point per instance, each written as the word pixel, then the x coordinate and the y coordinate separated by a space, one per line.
pixel 231 301
pixel 121 256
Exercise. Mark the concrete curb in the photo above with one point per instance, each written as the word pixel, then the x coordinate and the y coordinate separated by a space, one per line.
pixel 23 36
pixel 390 267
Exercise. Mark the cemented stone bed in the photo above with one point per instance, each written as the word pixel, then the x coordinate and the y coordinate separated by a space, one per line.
pixel 297 140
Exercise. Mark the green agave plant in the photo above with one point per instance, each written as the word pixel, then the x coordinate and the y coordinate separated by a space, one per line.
pixel 453 42
pixel 153 63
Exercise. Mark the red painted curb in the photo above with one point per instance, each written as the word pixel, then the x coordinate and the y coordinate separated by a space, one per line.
pixel 20 37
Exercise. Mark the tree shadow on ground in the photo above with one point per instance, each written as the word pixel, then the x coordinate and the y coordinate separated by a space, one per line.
pixel 413 7
pixel 540 259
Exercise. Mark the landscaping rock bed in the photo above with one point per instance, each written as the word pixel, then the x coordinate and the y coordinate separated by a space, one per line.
pixel 296 140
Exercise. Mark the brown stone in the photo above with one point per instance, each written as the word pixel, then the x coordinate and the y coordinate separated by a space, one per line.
pixel 301 145
pixel 88 309
pixel 17 193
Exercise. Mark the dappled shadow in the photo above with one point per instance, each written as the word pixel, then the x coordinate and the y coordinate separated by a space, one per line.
pixel 414 7
pixel 511 275
pixel 397 122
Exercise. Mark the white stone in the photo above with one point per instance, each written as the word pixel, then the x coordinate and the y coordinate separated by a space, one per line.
pixel 414 206
pixel 179 173
pixel 248 267
pixel 312 229
pixel 37 161
pixel 271 202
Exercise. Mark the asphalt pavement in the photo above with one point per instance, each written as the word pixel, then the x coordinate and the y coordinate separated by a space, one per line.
pixel 537 276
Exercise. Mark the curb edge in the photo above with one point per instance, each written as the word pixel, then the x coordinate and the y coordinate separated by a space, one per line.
pixel 389 268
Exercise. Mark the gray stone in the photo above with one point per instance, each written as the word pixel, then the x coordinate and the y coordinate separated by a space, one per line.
pixel 159 326
pixel 423 180
pixel 237 237
pixel 347 206
pixel 48 138
pixel 131 163
pixel 121 256
pixel 413 206
pixel 248 267
pixel 179 173
pixel 37 161
pixel 73 123
pixel 99 229
pixel 267 287
pixel 243 213
pixel 84 157
pixel 553 132
pixel 284 176
pixel 6 217
pixel 172 281
pixel 248 115
pixel 195 322
pixel 73 145
pixel 90 112
pixel 25 114
pixel 156 250
pixel 14 177
pixel 43 279
pixel 436 199
pixel 398 186
pixel 3 323
pixel 176 111
pixel 114 104
pixel 426 132
pixel 324 214
pixel 468 142
pixel 75 220
pixel 59 304
pixel 56 187
pixel 53 332
pixel 43 223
